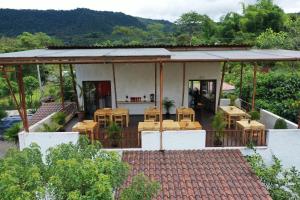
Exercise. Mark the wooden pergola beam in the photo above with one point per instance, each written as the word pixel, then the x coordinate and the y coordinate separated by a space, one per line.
pixel 183 83
pixel 22 98
pixel 115 87
pixel 222 80
pixel 254 86
pixel 74 86
pixel 161 75
pixel 155 84
pixel 61 83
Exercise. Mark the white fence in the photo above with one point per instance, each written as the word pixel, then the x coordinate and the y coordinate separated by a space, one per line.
pixel 174 140
pixel 269 119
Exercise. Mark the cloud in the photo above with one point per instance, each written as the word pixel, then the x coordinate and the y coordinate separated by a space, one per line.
pixel 156 9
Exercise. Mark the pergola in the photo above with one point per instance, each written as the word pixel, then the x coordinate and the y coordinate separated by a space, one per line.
pixel 94 55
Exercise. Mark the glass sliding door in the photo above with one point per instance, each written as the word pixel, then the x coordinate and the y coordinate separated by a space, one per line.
pixel 97 94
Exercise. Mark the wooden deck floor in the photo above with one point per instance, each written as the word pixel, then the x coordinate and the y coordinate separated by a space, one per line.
pixel 130 134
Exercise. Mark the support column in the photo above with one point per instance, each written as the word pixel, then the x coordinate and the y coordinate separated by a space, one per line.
pixel 254 86
pixel 222 80
pixel 241 79
pixel 22 98
pixel 61 81
pixel 161 103
pixel 155 80
pixel 115 87
pixel 40 80
pixel 74 86
pixel 183 84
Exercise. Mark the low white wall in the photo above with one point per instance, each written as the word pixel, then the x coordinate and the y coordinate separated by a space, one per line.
pixel 226 102
pixel 174 140
pixel 284 144
pixel 184 140
pixel 37 126
pixel 269 119
pixel 46 140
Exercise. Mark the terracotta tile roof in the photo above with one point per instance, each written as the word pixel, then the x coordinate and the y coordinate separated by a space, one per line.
pixel 47 109
pixel 227 86
pixel 198 174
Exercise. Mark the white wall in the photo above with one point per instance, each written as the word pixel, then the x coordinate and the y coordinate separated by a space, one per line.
pixel 46 140
pixel 139 79
pixel 174 140
pixel 269 119
pixel 226 102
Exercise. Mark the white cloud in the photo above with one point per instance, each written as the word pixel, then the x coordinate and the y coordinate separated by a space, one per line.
pixel 156 9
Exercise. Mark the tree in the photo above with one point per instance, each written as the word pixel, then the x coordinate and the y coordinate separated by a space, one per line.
pixel 141 189
pixel 3 114
pixel 30 84
pixel 270 39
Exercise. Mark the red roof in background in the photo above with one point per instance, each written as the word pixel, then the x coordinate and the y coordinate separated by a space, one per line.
pixel 198 174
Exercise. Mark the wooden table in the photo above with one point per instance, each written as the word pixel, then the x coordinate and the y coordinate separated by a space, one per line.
pixel 151 111
pixel 232 111
pixel 87 127
pixel 190 125
pixel 179 112
pixel 110 112
pixel 244 125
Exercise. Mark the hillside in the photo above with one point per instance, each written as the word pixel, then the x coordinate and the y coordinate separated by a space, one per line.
pixel 68 25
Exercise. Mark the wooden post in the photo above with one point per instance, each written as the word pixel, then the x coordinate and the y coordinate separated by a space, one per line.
pixel 161 103
pixel 115 87
pixel 241 79
pixel 74 86
pixel 61 82
pixel 23 99
pixel 155 89
pixel 221 84
pixel 40 80
pixel 254 86
pixel 183 84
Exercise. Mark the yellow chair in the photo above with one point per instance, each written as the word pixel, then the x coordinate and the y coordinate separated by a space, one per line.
pixel 186 116
pixel 119 120
pixel 102 120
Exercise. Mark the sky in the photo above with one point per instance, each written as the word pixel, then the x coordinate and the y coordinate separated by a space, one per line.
pixel 154 9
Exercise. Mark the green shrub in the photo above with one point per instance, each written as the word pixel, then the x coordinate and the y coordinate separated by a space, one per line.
pixel 141 189
pixel 255 115
pixel 52 127
pixel 232 100
pixel 3 114
pixel 218 125
pixel 11 134
pixel 280 124
pixel 59 118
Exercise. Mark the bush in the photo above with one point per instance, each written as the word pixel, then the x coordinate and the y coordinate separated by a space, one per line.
pixel 280 124
pixel 141 189
pixel 232 99
pixel 11 134
pixel 3 114
pixel 59 118
pixel 218 125
pixel 52 127
pixel 71 171
pixel 255 115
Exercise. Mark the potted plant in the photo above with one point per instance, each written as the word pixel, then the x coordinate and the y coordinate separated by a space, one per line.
pixel 218 125
pixel 254 115
pixel 114 134
pixel 280 124
pixel 232 100
pixel 80 112
pixel 168 104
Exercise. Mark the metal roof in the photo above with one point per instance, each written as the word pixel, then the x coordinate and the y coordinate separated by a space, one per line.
pixel 68 56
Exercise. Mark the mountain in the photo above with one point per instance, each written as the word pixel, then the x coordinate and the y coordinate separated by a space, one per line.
pixel 69 24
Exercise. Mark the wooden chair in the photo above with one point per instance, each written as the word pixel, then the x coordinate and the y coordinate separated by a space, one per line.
pixel 186 116
pixel 119 120
pixel 151 117
pixel 102 120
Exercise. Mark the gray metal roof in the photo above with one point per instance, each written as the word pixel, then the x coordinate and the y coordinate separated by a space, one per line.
pixel 236 55
pixel 144 54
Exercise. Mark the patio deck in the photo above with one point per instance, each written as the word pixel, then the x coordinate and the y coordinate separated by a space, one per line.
pixel 130 134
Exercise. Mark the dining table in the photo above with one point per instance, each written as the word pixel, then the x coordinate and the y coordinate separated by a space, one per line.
pixel 231 112
pixel 180 111
pixel 87 127
pixel 250 125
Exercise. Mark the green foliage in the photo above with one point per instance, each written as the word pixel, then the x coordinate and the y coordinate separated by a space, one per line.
pixel 59 118
pixel 11 134
pixel 168 104
pixel 141 189
pixel 232 98
pixel 71 171
pixel 30 84
pixel 51 127
pixel 282 184
pixel 21 174
pixel 218 125
pixel 3 114
pixel 280 124
pixel 270 39
pixel 114 132
pixel 255 115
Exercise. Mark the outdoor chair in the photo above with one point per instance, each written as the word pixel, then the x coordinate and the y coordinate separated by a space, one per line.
pixel 119 120
pixel 102 120
pixel 186 116
pixel 151 117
